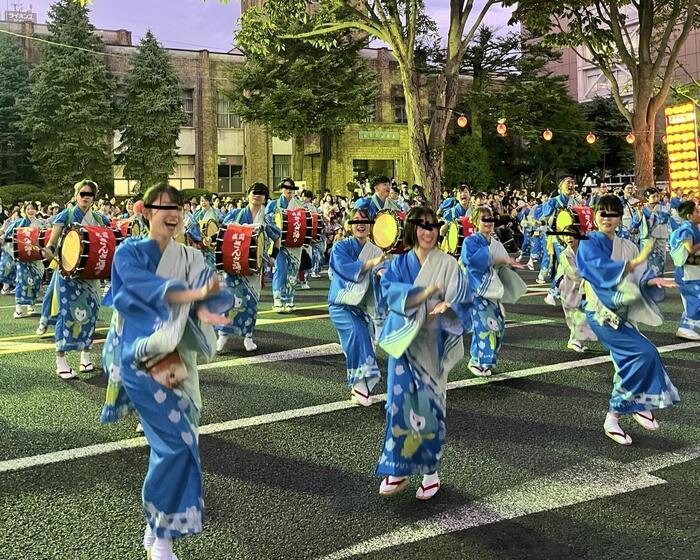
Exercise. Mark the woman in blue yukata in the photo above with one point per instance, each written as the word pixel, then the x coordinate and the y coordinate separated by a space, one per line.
pixel 165 300
pixel 654 229
pixel 29 274
pixel 201 218
pixel 351 303
pixel 428 308
pixel 621 291
pixel 491 283
pixel 8 271
pixel 73 302
pixel 685 252
pixel 246 289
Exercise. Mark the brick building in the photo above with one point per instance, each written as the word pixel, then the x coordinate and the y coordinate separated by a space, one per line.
pixel 218 152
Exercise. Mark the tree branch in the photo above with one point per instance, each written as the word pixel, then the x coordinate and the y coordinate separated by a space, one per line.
pixel 666 37
pixel 616 30
pixel 470 34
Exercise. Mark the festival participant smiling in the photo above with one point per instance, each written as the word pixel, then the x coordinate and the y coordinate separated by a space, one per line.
pixel 165 301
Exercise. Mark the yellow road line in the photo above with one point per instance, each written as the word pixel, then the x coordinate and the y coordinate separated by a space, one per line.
pixel 32 347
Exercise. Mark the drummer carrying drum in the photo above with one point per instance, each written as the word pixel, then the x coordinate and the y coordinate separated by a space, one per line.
pixel 379 200
pixel 74 302
pixel 284 279
pixel 240 250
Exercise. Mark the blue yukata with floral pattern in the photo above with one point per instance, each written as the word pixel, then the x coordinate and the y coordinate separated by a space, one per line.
pixel 488 321
pixel 422 350
pixel 75 302
pixel 687 274
pixel 653 228
pixel 350 302
pixel 246 289
pixel 145 326
pixel 7 263
pixel 615 303
pixel 28 274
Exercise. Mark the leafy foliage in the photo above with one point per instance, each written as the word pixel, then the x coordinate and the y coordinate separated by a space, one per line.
pixel 618 155
pixel 14 85
pixel 150 116
pixel 467 161
pixel 69 114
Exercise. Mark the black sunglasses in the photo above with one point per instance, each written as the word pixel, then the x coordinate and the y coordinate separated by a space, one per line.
pixel 87 194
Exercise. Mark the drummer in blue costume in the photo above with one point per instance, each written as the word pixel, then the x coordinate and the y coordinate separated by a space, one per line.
pixel 487 264
pixel 351 303
pixel 379 200
pixel 538 251
pixel 202 217
pixel 461 208
pixel 654 229
pixel 429 308
pixel 284 278
pixel 685 252
pixel 246 289
pixel 165 300
pixel 73 302
pixel 621 291
pixel 29 274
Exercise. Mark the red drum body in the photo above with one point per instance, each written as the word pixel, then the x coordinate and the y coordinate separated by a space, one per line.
pixel 466 228
pixel 293 224
pixel 580 216
pixel 27 243
pixel 240 247
pixel 86 252
pixel 313 231
pixel 127 227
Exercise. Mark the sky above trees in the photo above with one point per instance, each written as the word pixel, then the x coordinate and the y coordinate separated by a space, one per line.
pixel 195 24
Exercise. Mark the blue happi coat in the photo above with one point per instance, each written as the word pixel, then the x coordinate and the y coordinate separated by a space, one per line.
pixel 615 303
pixel 351 304
pixel 687 272
pixel 145 326
pixel 422 350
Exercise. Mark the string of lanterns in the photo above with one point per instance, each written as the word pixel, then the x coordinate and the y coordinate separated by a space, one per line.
pixel 548 135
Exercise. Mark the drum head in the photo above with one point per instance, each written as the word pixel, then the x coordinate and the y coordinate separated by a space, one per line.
pixel 71 247
pixel 279 218
pixel 449 244
pixel 564 219
pixel 385 231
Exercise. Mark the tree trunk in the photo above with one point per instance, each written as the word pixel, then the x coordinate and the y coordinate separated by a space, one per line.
pixel 298 171
pixel 643 150
pixel 325 148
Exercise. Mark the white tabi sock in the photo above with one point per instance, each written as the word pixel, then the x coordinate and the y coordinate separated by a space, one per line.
pixel 85 357
pixel 18 308
pixel 163 549
pixel 61 364
pixel 148 538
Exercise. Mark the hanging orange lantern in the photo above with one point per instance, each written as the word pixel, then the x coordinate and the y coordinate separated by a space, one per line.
pixel 501 127
pixel 663 138
pixel 630 138
pixel 462 121
pixel 548 135
pixel 590 138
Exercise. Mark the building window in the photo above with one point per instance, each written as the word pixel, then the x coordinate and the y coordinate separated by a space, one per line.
pixel 281 168
pixel 400 110
pixel 183 175
pixel 225 117
pixel 371 113
pixel 188 106
pixel 231 174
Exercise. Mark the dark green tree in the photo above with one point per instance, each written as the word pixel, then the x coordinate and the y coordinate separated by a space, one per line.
pixel 150 116
pixel 15 166
pixel 611 128
pixel 298 88
pixel 468 161
pixel 69 113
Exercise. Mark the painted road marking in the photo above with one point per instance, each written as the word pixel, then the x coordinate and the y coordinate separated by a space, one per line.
pixel 591 480
pixel 110 447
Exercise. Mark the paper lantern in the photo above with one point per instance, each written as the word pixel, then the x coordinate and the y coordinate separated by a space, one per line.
pixel 462 121
pixel 548 135
pixel 590 138
pixel 629 138
pixel 501 127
